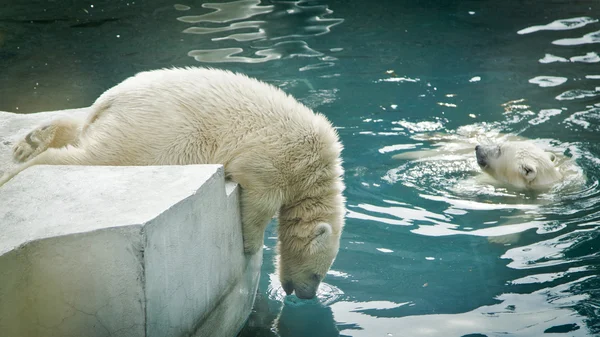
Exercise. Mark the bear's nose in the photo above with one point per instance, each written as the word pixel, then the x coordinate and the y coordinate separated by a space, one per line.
pixel 288 287
pixel 477 148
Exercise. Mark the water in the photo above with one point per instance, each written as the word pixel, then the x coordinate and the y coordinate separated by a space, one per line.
pixel 423 253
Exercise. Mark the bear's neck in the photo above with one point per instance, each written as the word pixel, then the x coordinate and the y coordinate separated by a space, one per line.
pixel 327 206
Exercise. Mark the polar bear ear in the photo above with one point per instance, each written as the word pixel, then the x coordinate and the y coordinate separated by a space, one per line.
pixel 528 171
pixel 320 238
pixel 552 157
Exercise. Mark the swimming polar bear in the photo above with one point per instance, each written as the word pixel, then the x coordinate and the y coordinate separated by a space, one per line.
pixel 509 166
pixel 507 160
pixel 285 157
pixel 521 165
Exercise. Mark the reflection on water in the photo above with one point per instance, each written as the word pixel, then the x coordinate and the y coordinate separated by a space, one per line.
pixel 327 293
pixel 229 11
pixel 278 50
pixel 590 57
pixel 543 311
pixel 555 251
pixel 593 37
pixel 267 24
pixel 560 25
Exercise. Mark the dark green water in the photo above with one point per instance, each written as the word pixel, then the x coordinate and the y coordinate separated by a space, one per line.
pixel 423 254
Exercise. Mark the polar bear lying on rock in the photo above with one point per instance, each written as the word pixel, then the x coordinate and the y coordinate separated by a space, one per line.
pixel 285 157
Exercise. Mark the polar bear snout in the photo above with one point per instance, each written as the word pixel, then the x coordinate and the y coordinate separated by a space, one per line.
pixel 486 153
pixel 303 291
pixel 306 293
pixel 481 156
pixel 519 164
pixel 288 287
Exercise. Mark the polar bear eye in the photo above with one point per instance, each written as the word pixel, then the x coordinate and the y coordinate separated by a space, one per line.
pixel 529 172
pixel 316 277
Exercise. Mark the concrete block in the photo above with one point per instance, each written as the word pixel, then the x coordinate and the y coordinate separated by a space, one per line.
pixel 120 251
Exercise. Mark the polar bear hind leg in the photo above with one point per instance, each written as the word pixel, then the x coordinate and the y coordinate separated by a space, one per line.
pixel 57 134
pixel 69 155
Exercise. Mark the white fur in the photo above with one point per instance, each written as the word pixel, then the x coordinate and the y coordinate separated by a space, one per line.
pixel 285 157
pixel 521 165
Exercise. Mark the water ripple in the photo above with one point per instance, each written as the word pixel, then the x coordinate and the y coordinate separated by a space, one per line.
pixel 591 57
pixel 548 81
pixel 593 37
pixel 563 24
pixel 543 311
pixel 277 51
pixel 577 94
pixel 544 115
pixel 228 11
pixel 259 34
pixel 555 251
pixel 326 293
pixel 549 277
pixel 585 119
pixel 268 25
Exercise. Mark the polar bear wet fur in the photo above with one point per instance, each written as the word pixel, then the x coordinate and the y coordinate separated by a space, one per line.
pixel 285 157
pixel 507 160
pixel 521 165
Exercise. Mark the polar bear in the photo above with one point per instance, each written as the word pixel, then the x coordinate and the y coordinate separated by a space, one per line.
pixel 521 165
pixel 507 160
pixel 285 157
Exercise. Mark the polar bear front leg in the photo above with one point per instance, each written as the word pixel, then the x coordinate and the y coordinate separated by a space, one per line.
pixel 59 133
pixel 257 210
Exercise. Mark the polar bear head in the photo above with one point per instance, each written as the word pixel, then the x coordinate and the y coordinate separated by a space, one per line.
pixel 521 165
pixel 306 259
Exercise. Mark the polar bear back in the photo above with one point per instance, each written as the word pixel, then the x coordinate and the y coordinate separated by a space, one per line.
pixel 210 116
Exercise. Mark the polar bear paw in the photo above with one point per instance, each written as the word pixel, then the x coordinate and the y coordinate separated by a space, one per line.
pixel 36 142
